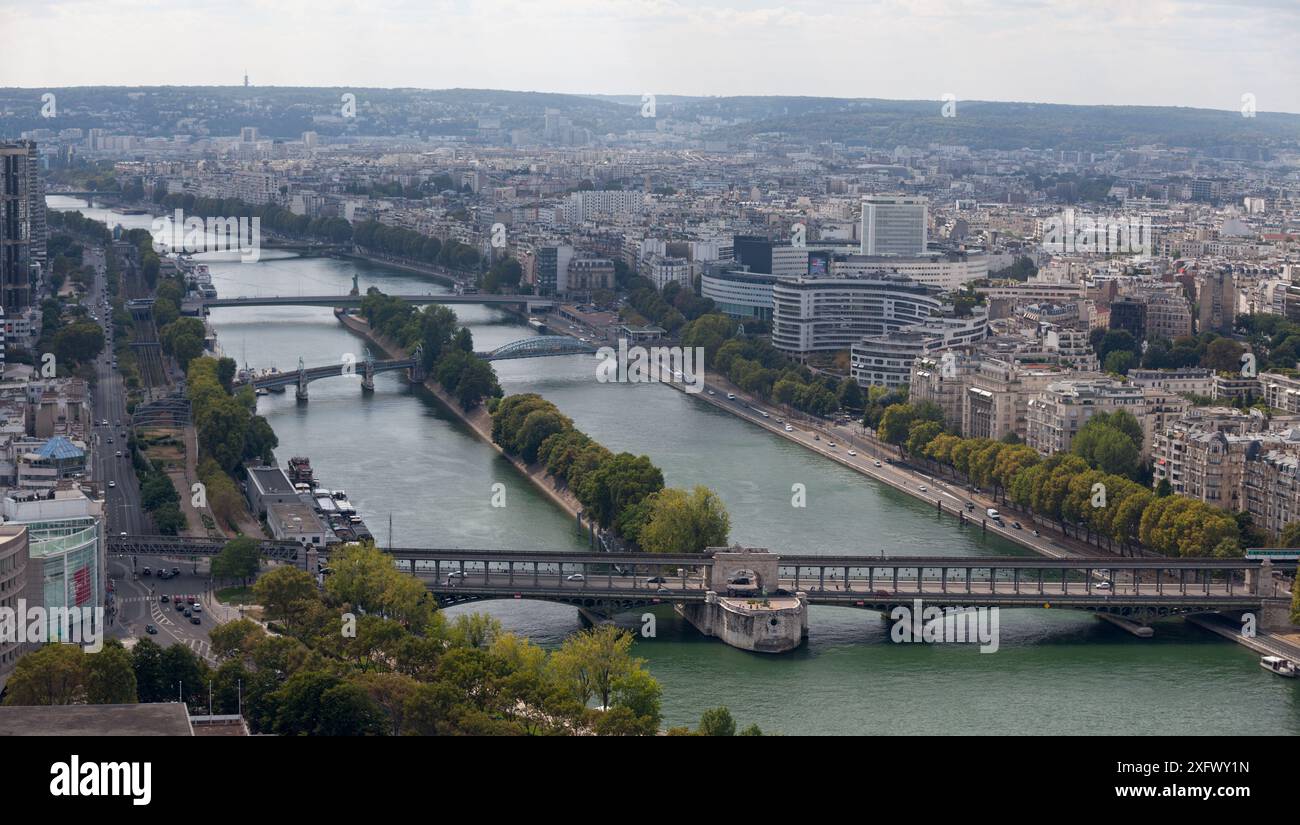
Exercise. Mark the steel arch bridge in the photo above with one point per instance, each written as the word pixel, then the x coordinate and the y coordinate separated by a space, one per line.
pixel 540 346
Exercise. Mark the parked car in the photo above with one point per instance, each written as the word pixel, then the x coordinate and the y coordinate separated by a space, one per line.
pixel 145 571
pixel 164 599
pixel 188 613
pixel 195 620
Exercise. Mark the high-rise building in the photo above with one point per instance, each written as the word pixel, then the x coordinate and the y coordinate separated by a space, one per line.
pixel 894 225
pixel 17 182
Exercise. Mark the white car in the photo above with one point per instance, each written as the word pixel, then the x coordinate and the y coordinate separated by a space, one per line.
pixel 789 429
pixel 576 577
pixel 853 452
pixel 921 487
pixel 830 444
pixel 877 463
pixel 1104 586
pixel 112 484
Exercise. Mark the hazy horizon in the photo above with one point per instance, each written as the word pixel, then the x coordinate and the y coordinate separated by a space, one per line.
pixel 1202 54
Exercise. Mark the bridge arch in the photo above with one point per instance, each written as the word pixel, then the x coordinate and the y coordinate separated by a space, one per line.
pixel 540 346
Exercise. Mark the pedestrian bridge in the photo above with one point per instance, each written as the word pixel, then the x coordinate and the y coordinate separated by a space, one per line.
pixel 539 346
pixel 1137 589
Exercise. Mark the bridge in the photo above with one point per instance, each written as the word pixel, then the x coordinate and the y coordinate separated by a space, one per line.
pixel 196 306
pixel 84 194
pixel 539 346
pixel 290 245
pixel 366 370
pixel 1138 590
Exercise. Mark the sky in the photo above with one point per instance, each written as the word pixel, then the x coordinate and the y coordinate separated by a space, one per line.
pixel 1201 53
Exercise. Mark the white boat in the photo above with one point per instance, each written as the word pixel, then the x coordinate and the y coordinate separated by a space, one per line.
pixel 1280 666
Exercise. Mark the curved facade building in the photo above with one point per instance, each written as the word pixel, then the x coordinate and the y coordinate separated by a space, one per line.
pixel 744 295
pixel 13 586
pixel 829 314
pixel 886 360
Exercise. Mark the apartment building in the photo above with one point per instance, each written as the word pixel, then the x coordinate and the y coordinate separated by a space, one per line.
pixel 1055 416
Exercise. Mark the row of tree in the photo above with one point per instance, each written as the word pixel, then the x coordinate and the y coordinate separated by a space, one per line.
pixel 756 366
pixel 270 217
pixel 398 242
pixel 229 432
pixel 447 348
pixel 621 491
pixel 670 308
pixel 158 495
pixel 1078 488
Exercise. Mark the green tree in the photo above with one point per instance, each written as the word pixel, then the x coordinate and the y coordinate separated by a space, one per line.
pixel 717 722
pixel 685 523
pixel 52 675
pixel 238 559
pixel 286 593
pixel 591 663
pixel 110 677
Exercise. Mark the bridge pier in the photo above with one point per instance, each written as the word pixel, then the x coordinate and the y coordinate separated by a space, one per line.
pixel 1142 631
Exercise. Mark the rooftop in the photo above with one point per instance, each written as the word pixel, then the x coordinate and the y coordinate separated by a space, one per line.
pixel 157 719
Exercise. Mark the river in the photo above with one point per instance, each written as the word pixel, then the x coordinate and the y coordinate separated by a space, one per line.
pixel 399 455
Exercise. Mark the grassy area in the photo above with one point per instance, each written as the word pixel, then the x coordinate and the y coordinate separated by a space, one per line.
pixel 235 595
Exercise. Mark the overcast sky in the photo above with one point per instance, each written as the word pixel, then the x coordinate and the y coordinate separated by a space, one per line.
pixel 1204 53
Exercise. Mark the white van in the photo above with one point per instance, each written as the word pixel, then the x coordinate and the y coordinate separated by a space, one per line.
pixel 993 514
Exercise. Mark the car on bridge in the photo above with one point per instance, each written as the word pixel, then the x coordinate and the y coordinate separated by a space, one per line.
pixel 575 577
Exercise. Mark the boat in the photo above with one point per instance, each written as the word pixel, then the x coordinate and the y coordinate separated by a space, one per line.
pixel 1280 666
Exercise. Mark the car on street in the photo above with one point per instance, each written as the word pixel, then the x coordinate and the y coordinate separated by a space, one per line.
pixel 196 607
pixel 921 487
pixel 731 396
pixel 187 611
pixel 1016 525
pixel 575 577
pixel 853 452
pixel 164 599
pixel 656 580
pixel 195 620
pixel 118 454
pixel 176 571
pixel 146 572
pixel 1105 585
pixel 151 630
pixel 114 484
pixel 180 605
pixel 877 463
pixel 830 444
pixel 789 429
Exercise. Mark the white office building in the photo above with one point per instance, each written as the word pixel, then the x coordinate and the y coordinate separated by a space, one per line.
pixel 894 225
pixel 828 314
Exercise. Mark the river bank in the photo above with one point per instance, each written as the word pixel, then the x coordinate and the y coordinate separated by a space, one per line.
pixel 478 420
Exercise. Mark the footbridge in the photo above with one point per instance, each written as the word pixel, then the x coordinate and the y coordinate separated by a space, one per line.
pixel 1139 590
